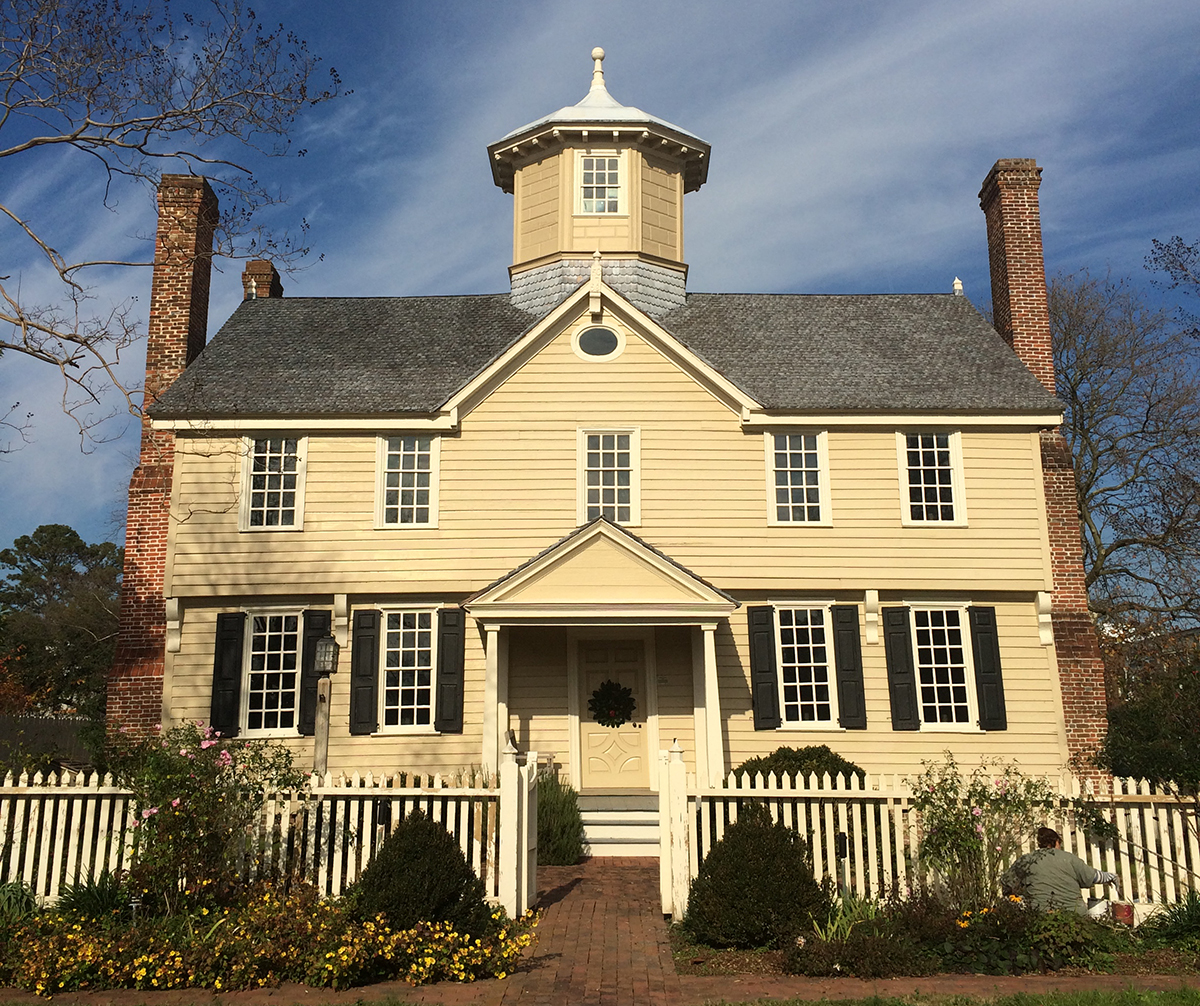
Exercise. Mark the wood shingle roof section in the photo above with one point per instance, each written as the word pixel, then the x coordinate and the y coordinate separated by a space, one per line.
pixel 389 356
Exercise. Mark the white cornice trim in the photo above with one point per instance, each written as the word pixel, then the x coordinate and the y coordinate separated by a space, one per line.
pixel 596 613
pixel 756 420
pixel 444 422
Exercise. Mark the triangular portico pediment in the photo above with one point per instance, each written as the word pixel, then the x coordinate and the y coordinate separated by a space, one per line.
pixel 601 573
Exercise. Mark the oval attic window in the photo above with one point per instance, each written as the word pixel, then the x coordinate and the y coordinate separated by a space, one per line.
pixel 598 342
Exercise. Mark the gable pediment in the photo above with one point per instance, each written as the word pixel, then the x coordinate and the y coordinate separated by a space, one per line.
pixel 600 571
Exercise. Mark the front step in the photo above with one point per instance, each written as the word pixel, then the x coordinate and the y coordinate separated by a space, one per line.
pixel 620 824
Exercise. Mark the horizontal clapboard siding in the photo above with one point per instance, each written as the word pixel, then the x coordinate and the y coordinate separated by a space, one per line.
pixel 508 489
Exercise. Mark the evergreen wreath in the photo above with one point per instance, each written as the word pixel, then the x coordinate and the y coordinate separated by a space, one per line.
pixel 612 704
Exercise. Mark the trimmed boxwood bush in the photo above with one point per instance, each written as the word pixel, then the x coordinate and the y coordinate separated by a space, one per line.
pixel 816 758
pixel 755 888
pixel 420 875
pixel 559 822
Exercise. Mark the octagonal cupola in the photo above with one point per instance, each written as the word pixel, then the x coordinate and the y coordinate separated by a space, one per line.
pixel 599 176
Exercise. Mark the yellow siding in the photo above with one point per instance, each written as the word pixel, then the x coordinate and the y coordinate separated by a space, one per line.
pixel 189 691
pixel 537 692
pixel 662 196
pixel 508 489
pixel 537 209
pixel 673 657
pixel 1035 736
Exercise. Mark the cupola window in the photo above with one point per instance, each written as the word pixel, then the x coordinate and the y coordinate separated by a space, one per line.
pixel 601 185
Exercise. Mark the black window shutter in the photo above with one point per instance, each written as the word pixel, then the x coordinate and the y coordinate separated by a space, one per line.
pixel 364 673
pixel 452 641
pixel 902 677
pixel 316 626
pixel 764 678
pixel 989 683
pixel 227 673
pixel 847 652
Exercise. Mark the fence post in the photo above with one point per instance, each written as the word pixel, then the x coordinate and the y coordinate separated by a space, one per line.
pixel 510 831
pixel 529 793
pixel 664 830
pixel 679 832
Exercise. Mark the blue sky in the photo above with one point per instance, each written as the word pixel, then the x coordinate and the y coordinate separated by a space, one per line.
pixel 849 143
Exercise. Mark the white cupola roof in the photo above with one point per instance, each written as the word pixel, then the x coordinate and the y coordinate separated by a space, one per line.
pixel 589 117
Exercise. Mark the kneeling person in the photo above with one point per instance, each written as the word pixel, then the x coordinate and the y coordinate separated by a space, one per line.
pixel 1051 878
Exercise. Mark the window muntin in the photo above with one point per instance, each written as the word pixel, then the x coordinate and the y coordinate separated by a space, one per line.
pixel 273 671
pixel 600 184
pixel 608 463
pixel 273 472
pixel 807 692
pixel 406 693
pixel 408 481
pixel 796 465
pixel 930 477
pixel 942 659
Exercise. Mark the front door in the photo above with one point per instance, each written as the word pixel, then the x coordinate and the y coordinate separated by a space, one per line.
pixel 613 757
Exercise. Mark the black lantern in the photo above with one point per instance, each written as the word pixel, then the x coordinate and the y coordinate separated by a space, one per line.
pixel 326 656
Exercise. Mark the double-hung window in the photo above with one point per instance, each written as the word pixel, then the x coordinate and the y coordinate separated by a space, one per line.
pixel 807 697
pixel 272 661
pixel 406 695
pixel 406 492
pixel 273 473
pixel 600 183
pixel 797 478
pixel 931 480
pixel 943 663
pixel 609 485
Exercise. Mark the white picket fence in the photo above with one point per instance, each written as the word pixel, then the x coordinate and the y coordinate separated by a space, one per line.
pixel 59 830
pixel 864 835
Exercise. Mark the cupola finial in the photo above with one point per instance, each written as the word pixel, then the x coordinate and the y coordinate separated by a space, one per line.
pixel 598 72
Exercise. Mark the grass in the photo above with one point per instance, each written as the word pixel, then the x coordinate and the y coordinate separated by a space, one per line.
pixel 1125 997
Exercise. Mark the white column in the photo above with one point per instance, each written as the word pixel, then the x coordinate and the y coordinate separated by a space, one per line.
pixel 712 707
pixel 491 680
pixel 699 716
pixel 501 688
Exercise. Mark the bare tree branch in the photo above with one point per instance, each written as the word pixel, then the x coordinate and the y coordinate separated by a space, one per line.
pixel 140 87
pixel 1131 382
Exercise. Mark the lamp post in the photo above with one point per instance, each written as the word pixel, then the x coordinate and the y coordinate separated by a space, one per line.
pixel 325 663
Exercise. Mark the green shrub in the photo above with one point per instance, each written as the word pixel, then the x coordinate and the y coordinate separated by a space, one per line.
pixel 755 888
pixel 102 897
pixel 420 875
pixel 559 822
pixel 816 758
pixel 16 902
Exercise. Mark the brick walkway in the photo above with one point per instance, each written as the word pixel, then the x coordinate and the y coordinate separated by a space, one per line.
pixel 603 942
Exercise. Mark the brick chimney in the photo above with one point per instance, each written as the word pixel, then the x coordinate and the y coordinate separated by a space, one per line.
pixel 259 279
pixel 1020 310
pixel 175 335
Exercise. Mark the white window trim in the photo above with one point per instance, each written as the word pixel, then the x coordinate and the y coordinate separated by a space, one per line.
pixel 247 472
pixel 435 472
pixel 623 189
pixel 635 474
pixel 808 726
pixel 956 478
pixel 247 645
pixel 611 328
pixel 822 479
pixel 423 729
pixel 972 724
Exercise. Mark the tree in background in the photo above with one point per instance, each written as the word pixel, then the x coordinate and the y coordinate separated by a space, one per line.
pixel 134 88
pixel 59 600
pixel 1181 262
pixel 1130 379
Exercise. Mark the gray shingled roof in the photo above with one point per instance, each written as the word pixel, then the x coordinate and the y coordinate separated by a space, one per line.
pixel 855 353
pixel 809 353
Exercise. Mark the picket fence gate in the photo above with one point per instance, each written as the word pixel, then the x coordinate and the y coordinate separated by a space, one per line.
pixel 864 835
pixel 62 829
